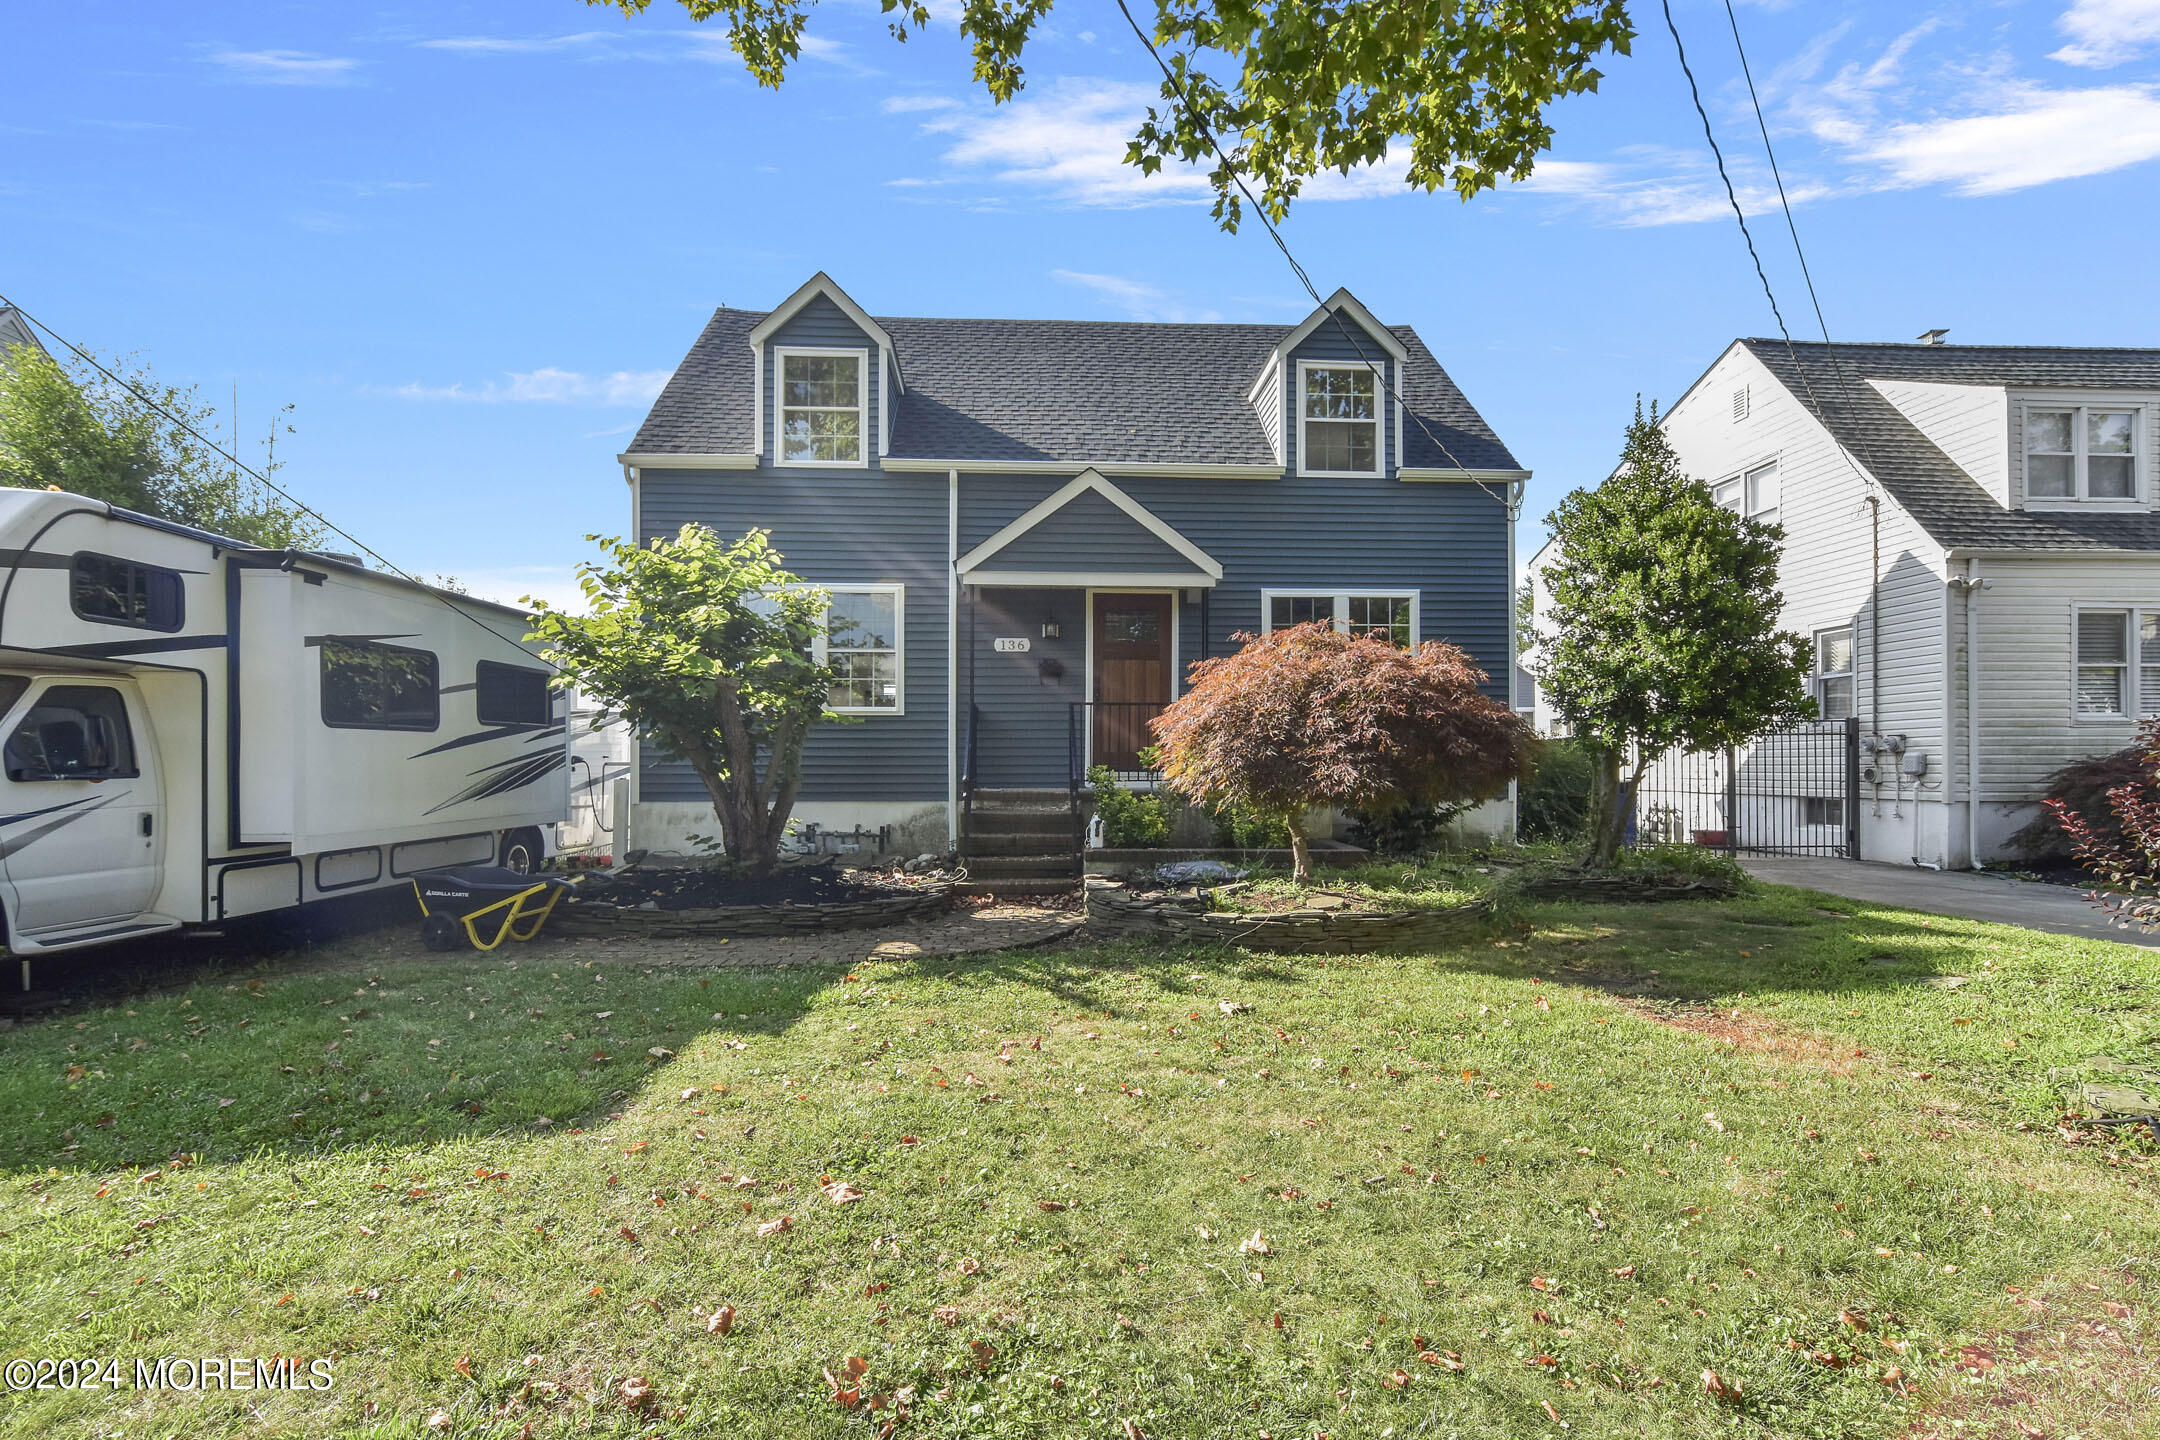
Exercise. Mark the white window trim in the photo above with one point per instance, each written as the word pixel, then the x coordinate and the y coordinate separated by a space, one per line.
pixel 2139 407
pixel 780 354
pixel 1341 601
pixel 820 648
pixel 1739 477
pixel 2135 701
pixel 1852 653
pixel 1177 658
pixel 1378 422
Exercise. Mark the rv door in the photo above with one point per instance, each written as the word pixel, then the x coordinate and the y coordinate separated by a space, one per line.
pixel 81 819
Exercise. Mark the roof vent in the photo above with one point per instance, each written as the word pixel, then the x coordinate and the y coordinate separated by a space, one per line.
pixel 1740 405
pixel 1933 337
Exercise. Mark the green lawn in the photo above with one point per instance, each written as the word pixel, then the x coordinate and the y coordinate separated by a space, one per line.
pixel 1504 1155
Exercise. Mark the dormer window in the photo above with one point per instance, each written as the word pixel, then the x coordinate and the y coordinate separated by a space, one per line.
pixel 822 406
pixel 2079 452
pixel 1338 420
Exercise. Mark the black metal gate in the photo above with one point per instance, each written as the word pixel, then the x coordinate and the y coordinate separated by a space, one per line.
pixel 1791 792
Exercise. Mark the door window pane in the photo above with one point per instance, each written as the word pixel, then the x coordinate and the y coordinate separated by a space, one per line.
pixel 1132 627
pixel 73 732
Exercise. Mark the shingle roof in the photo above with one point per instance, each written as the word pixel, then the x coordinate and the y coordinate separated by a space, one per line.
pixel 1948 503
pixel 1080 391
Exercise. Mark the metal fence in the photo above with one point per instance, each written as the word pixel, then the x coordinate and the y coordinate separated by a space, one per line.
pixel 1791 792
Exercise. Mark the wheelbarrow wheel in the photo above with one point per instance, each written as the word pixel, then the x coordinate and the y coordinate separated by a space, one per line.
pixel 442 932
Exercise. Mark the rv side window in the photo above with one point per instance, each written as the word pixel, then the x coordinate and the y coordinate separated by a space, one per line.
pixel 113 591
pixel 73 732
pixel 510 694
pixel 370 686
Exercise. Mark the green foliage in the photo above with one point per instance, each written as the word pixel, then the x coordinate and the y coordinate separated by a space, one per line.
pixel 2083 786
pixel 1238 828
pixel 1321 84
pixel 1525 618
pixel 1665 606
pixel 72 429
pixel 1554 802
pixel 1132 819
pixel 1411 830
pixel 706 646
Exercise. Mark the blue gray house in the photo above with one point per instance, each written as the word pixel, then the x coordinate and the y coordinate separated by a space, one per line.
pixel 1032 528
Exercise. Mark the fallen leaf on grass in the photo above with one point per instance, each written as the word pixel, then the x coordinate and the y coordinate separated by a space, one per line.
pixel 1852 1318
pixel 946 1314
pixel 1445 1359
pixel 1718 1387
pixel 636 1392
pixel 840 1192
pixel 1256 1245
pixel 1551 1414
pixel 773 1227
pixel 1625 1272
pixel 1051 1205
pixel 722 1321
pixel 1397 1380
pixel 970 1266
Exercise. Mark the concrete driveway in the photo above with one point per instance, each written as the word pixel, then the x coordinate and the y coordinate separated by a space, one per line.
pixel 2057 909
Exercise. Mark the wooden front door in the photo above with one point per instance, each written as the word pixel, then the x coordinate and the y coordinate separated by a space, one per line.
pixel 1132 675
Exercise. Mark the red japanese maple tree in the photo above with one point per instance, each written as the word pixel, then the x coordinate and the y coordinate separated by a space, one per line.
pixel 2128 863
pixel 1307 716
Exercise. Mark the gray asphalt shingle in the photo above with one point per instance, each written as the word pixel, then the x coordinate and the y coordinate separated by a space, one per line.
pixel 1084 391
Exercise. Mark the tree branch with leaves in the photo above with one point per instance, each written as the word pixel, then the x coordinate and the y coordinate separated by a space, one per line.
pixel 707 647
pixel 1291 89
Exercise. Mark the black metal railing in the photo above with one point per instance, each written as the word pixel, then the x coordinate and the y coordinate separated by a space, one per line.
pixel 1111 734
pixel 970 753
pixel 1791 792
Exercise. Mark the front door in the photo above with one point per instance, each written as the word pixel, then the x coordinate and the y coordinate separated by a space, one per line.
pixel 81 826
pixel 1132 675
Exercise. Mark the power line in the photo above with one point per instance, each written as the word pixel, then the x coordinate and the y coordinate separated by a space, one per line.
pixel 1379 370
pixel 1837 366
pixel 261 479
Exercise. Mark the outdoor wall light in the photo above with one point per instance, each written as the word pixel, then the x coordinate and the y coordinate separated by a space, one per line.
pixel 1051 630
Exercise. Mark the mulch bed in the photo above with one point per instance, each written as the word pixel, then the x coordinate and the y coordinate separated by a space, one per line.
pixel 695 901
pixel 699 887
pixel 1565 885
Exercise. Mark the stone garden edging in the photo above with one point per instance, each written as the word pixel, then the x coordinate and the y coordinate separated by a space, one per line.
pixel 595 918
pixel 1113 911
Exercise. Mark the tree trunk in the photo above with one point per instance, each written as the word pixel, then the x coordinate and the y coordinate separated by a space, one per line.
pixel 1609 808
pixel 1300 853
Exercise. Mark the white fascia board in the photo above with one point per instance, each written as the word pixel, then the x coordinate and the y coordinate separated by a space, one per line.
pixel 1343 300
pixel 822 284
pixel 927 464
pixel 1072 490
pixel 1092 580
pixel 1446 472
pixel 688 462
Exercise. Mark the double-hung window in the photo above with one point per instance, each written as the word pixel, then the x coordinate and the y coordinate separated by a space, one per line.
pixel 2118 663
pixel 1338 420
pixel 862 642
pixel 1389 615
pixel 1834 673
pixel 822 406
pixel 1754 493
pixel 2081 452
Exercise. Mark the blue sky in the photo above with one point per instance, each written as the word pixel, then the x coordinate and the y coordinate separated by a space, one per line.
pixel 468 241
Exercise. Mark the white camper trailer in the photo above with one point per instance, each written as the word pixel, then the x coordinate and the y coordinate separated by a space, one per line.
pixel 194 729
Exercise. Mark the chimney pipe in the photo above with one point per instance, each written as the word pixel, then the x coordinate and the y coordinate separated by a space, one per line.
pixel 1933 337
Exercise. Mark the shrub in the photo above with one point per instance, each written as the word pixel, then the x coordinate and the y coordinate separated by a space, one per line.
pixel 2125 856
pixel 1554 802
pixel 2083 786
pixel 1131 819
pixel 1240 829
pixel 1410 830
pixel 1307 716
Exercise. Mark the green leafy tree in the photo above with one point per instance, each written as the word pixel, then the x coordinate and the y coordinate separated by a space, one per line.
pixel 1292 88
pixel 76 430
pixel 706 646
pixel 1665 609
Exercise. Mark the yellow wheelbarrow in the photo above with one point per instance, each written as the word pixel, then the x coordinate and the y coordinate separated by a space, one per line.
pixel 483 905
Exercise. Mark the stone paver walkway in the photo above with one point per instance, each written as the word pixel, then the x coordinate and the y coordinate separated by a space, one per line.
pixel 965 931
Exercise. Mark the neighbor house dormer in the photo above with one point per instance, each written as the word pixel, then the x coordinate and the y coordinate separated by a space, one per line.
pixel 826 378
pixel 1327 396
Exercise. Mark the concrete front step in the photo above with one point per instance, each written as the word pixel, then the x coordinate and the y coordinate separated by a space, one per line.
pixel 1021 799
pixel 1021 822
pixel 1022 866
pixel 1044 842
pixel 1015 888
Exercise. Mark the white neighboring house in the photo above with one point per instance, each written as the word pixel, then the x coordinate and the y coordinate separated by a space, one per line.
pixel 1972 543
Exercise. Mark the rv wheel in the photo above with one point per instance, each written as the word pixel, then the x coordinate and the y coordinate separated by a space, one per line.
pixel 442 932
pixel 521 851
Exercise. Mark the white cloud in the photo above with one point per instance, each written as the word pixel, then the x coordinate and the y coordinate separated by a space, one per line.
pixel 508 45
pixel 833 52
pixel 507 586
pixel 1136 298
pixel 915 104
pixel 2038 135
pixel 1650 188
pixel 550 386
pixel 1068 136
pixel 286 67
pixel 2105 33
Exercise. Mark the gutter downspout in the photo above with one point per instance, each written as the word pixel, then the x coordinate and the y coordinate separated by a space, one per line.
pixel 1514 657
pixel 952 659
pixel 634 792
pixel 1973 586
pixel 1874 605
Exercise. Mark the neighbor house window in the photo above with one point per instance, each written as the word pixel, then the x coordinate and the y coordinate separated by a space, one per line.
pixel 113 591
pixel 1823 810
pixel 367 685
pixel 2078 452
pixel 862 644
pixel 1339 420
pixel 2118 663
pixel 822 407
pixel 1833 673
pixel 1384 615
pixel 1754 493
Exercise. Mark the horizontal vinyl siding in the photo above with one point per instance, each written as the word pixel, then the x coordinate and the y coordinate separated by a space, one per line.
pixel 1448 541
pixel 1026 715
pixel 1969 423
pixel 2027 653
pixel 1090 524
pixel 1328 342
pixel 822 325
pixel 1824 574
pixel 836 527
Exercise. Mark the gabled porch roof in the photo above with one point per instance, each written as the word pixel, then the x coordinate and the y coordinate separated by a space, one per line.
pixel 1089 532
